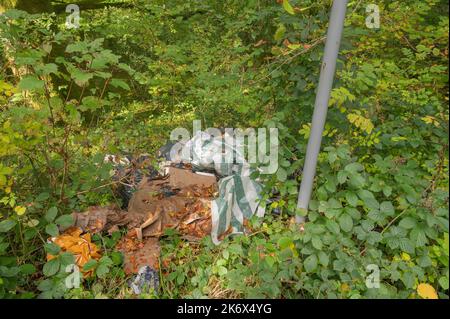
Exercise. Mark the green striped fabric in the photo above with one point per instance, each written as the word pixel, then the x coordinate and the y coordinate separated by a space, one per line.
pixel 239 195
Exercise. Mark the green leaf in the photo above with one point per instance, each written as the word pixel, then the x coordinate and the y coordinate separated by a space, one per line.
pixel 77 47
pixel 387 208
pixel 332 226
pixel 52 230
pixel 342 177
pixel 270 261
pixel 102 270
pixel 51 267
pixel 407 223
pixel 27 269
pixel 81 78
pixel 45 285
pixel 351 198
pixel 117 258
pixel 281 174
pixel 287 6
pixel 354 168
pixel 310 263
pixel 346 222
pixel 387 191
pixel 65 220
pixel 330 186
pixel 105 260
pixel 91 264
pixel 52 248
pixel 279 34
pixel 324 260
pixel 67 258
pixel 6 225
pixel 357 180
pixel 48 69
pixel 31 82
pixel 117 83
pixel 317 243
pixel 408 279
pixel 284 242
pixel 222 271
pixel 444 282
pixel 406 245
pixel 51 214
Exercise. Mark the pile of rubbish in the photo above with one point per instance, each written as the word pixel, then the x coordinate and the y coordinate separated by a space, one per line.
pixel 199 195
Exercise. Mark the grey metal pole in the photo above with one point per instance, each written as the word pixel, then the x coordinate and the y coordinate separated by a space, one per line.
pixel 327 71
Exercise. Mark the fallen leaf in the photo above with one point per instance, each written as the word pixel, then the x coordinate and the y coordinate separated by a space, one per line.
pixel 426 291
pixel 80 245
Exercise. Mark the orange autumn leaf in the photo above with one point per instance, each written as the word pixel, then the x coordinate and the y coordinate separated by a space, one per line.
pixel 426 291
pixel 79 245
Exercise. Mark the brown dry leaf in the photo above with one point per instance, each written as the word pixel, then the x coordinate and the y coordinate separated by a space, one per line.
pixel 426 291
pixel 286 42
pixel 260 43
pixel 80 245
pixel 138 253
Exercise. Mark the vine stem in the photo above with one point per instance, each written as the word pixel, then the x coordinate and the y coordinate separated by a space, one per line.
pixel 386 228
pixel 392 221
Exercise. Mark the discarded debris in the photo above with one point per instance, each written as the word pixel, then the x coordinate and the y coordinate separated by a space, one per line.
pixel 97 218
pixel 80 245
pixel 146 281
pixel 239 194
pixel 138 254
pixel 184 194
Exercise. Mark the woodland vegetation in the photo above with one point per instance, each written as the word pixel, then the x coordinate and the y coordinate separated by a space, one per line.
pixel 134 70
